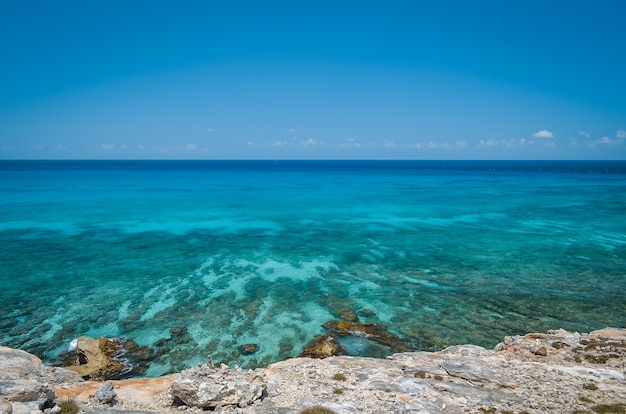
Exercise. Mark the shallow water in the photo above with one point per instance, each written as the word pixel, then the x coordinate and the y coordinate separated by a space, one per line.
pixel 265 252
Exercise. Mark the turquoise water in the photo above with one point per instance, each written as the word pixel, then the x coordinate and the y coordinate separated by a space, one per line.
pixel 266 252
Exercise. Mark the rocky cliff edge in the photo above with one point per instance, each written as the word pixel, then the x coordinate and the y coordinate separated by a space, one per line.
pixel 555 372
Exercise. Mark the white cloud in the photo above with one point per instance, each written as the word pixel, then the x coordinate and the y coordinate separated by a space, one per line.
pixel 210 130
pixel 621 134
pixel 251 143
pixel 107 146
pixel 124 146
pixel 190 147
pixel 278 143
pixel 491 142
pixel 544 133
pixel 584 134
pixel 141 147
pixel 309 141
pixel 605 142
pixel 389 144
pixel 291 130
pixel 60 147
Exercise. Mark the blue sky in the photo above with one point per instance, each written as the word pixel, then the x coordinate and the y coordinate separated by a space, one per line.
pixel 313 80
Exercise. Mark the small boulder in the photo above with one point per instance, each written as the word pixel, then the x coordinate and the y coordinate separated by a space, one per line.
pixel 105 394
pixel 207 387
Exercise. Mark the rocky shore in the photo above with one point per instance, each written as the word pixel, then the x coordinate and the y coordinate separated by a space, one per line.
pixel 554 372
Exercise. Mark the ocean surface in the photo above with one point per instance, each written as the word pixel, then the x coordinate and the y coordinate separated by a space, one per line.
pixel 265 252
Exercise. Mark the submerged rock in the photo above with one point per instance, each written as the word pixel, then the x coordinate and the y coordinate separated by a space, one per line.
pixel 323 346
pixel 247 349
pixel 372 331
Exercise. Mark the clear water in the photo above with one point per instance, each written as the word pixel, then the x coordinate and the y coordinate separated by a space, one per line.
pixel 265 252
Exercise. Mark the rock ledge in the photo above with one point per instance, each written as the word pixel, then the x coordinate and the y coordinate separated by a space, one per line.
pixel 556 372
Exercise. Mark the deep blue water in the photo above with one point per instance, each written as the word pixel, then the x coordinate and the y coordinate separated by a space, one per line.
pixel 265 252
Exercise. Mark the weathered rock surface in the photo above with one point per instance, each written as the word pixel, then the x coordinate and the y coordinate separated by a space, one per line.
pixel 25 381
pixel 555 372
pixel 20 379
pixel 133 394
pixel 105 394
pixel 206 386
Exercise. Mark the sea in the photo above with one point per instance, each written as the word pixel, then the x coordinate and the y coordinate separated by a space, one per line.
pixel 265 252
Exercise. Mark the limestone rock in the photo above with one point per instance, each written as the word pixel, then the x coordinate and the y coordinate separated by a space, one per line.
pixel 105 394
pixel 96 359
pixel 21 377
pixel 323 346
pixel 208 387
pixel 15 363
pixel 578 373
pixel 104 359
pixel 5 407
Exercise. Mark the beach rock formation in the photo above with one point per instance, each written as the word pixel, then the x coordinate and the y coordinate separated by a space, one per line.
pixel 103 359
pixel 555 372
pixel 208 387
